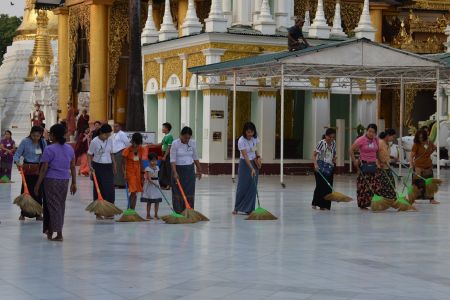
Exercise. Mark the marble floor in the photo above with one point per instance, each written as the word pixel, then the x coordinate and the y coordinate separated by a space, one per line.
pixel 306 254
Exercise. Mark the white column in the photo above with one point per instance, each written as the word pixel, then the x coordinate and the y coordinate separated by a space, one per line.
pixel 160 61
pixel 226 5
pixel 216 21
pixel 319 28
pixel 265 22
pixel 282 8
pixel 213 56
pixel 307 24
pixel 185 109
pixel 191 24
pixel 256 10
pixel 162 113
pixel 214 151
pixel 167 30
pixel 340 142
pixel 321 114
pixel 242 8
pixel 149 34
pixel 266 123
pixel 365 28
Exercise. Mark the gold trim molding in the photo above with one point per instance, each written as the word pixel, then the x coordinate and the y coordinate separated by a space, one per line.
pixel 215 92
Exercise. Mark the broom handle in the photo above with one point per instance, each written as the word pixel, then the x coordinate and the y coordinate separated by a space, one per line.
pixel 257 194
pixel 128 196
pixel 24 182
pixel 320 173
pixel 390 182
pixel 165 199
pixel 100 197
pixel 399 177
pixel 424 179
pixel 183 195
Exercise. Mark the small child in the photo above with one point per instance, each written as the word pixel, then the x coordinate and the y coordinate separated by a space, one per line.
pixel 131 165
pixel 152 193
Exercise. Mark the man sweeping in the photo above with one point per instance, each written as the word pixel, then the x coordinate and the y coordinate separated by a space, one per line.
pixel 296 40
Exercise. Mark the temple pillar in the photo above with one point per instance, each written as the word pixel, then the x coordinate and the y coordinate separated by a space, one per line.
pixel 282 14
pixel 99 59
pixel 185 109
pixel 317 118
pixel 227 11
pixel 162 112
pixel 215 105
pixel 241 12
pixel 63 59
pixel 265 121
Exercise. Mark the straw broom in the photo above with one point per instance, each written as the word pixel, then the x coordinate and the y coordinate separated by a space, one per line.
pixel 431 184
pixel 189 212
pixel 401 203
pixel 173 218
pixel 100 206
pixel 260 214
pixel 411 190
pixel 26 202
pixel 334 196
pixel 130 215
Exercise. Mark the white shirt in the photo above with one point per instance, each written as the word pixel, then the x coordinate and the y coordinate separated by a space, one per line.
pixel 120 141
pixel 249 146
pixel 101 150
pixel 183 154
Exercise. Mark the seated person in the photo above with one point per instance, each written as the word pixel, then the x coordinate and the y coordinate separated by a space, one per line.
pixel 295 34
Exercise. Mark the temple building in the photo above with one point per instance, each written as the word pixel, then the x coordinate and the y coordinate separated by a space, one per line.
pixel 92 62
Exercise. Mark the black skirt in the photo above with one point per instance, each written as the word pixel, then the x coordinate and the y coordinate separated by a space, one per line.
pixel 322 189
pixel 105 178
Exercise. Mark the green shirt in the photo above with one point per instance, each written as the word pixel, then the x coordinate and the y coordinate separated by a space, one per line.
pixel 166 142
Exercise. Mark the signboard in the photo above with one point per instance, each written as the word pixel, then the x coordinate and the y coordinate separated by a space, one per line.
pixel 148 137
pixel 48 4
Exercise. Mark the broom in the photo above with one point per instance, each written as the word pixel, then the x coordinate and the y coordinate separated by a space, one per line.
pixel 334 196
pixel 173 218
pixel 260 213
pixel 130 215
pixel 412 190
pixel 431 185
pixel 26 202
pixel 101 207
pixel 401 203
pixel 189 212
pixel 377 203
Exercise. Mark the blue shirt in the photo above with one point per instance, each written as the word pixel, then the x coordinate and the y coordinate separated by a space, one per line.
pixel 31 153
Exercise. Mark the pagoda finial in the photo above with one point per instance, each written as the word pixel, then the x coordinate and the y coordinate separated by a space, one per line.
pixel 337 22
pixel 168 30
pixel 216 21
pixel 319 28
pixel 191 24
pixel 265 22
pixel 365 28
pixel 149 34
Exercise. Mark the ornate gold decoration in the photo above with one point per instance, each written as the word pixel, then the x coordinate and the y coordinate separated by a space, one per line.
pixel 410 98
pixel 215 92
pixel 429 5
pixel 184 94
pixel 162 96
pixel 118 34
pixel 42 55
pixel 267 93
pixel 329 82
pixel 28 27
pixel 151 70
pixel 319 95
pixel 262 81
pixel 172 66
pixel 367 97
pixel 79 19
pixel 243 112
pixel 315 81
pixel 362 83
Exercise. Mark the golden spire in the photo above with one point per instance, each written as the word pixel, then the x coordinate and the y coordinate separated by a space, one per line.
pixel 42 56
pixel 27 30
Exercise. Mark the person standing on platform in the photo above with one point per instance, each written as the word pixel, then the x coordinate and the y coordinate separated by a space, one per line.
pixel 183 157
pixel 120 142
pixel 132 167
pixel 7 148
pixel 101 161
pixel 166 170
pixel 296 40
pixel 151 192
pixel 81 149
pixel 324 158
pixel 367 181
pixel 249 166
pixel 82 122
pixel 58 165
pixel 420 161
pixel 28 159
pixel 37 117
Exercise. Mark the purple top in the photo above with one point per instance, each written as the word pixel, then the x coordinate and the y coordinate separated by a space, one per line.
pixel 58 158
pixel 8 144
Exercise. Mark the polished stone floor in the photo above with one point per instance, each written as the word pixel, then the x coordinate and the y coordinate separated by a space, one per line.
pixel 306 254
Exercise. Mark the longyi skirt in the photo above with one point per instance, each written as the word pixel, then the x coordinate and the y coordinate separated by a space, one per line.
pixel 187 180
pixel 246 188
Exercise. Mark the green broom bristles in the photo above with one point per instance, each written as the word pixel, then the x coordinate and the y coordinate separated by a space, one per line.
pixel 402 204
pixel 5 179
pixel 261 214
pixel 379 203
pixel 337 197
pixel 130 215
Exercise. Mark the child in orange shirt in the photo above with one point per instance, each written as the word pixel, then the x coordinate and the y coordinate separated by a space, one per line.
pixel 132 165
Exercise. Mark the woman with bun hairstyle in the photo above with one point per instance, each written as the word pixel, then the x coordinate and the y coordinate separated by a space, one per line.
pixel 386 181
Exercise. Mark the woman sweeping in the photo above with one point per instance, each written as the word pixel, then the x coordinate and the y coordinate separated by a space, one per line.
pixel 58 165
pixel 324 158
pixel 249 165
pixel 367 181
pixel 385 178
pixel 81 149
pixel 166 144
pixel 7 148
pixel 183 157
pixel 420 161
pixel 101 161
pixel 28 159
pixel 131 166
